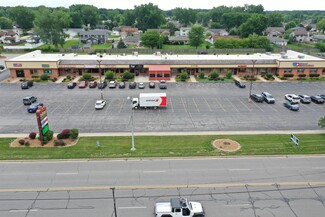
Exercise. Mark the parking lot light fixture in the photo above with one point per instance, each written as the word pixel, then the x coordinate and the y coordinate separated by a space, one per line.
pixel 251 84
pixel 129 99
pixel 100 79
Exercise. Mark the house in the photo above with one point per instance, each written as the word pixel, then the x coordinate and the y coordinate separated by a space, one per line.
pixel 128 31
pixel 133 39
pixel 116 31
pixel 274 31
pixel 165 32
pixel 184 31
pixel 318 38
pixel 278 41
pixel 175 23
pixel 301 34
pixel 178 39
pixel 9 37
pixel 218 32
pixel 96 36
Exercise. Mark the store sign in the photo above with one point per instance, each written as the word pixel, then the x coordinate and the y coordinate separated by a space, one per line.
pixel 90 66
pixel 242 66
pixel 297 64
pixel 17 65
pixel 42 121
pixel 45 65
pixel 136 66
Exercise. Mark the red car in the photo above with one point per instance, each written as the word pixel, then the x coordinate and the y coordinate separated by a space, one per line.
pixel 92 84
pixel 83 84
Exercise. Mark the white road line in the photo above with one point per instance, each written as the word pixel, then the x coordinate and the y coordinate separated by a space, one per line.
pixel 198 110
pixel 207 104
pixel 244 204
pixel 66 173
pixel 232 104
pixel 155 171
pixel 220 105
pixel 23 210
pixel 245 105
pixel 239 169
pixel 133 207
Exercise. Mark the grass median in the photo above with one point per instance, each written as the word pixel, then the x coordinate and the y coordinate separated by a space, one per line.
pixel 167 146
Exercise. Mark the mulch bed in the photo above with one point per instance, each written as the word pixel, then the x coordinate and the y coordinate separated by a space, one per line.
pixel 226 145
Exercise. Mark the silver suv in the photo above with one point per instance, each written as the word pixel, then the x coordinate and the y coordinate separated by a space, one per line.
pixel 304 98
pixel 268 98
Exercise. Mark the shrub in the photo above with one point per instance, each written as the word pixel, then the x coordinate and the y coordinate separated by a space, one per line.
pixel 229 74
pixel 65 133
pixel 269 75
pixel 68 77
pixel 110 75
pixel 27 143
pixel 44 77
pixel 22 141
pixel 59 143
pixel 32 135
pixel 74 133
pixel 201 75
pixel 47 137
pixel 127 75
pixel 87 76
pixel 36 79
pixel 183 76
pixel 54 79
pixel 288 75
pixel 59 136
pixel 302 75
pixel 314 75
pixel 214 75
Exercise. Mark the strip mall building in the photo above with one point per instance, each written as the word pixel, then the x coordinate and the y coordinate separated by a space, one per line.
pixel 162 67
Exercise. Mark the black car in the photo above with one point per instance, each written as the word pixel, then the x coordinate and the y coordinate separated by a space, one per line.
pixel 28 100
pixel 72 85
pixel 323 96
pixel 121 85
pixel 132 85
pixel 240 84
pixel 317 99
pixel 102 85
pixel 26 84
pixel 257 97
pixel 152 84
pixel 291 106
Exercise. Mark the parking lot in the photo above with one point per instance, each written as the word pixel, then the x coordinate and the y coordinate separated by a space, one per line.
pixel 191 107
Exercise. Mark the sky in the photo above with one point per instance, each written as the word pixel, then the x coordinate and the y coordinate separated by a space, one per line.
pixel 269 5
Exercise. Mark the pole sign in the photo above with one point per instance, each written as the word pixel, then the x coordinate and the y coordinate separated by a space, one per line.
pixel 42 121
pixel 294 140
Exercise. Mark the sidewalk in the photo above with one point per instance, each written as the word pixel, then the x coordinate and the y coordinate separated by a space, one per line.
pixel 60 79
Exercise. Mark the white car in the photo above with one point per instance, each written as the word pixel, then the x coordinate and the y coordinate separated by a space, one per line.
pixel 100 104
pixel 112 84
pixel 293 98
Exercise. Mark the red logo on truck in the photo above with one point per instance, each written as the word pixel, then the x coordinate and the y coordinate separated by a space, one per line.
pixel 163 101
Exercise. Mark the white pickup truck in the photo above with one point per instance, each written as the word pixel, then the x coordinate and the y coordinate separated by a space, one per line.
pixel 179 207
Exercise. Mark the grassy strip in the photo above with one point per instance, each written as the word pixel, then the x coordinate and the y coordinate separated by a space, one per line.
pixel 167 146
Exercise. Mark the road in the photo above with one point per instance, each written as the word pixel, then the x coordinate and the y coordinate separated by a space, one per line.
pixel 191 107
pixel 252 186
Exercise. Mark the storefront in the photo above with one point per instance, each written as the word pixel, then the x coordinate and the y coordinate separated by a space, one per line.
pixel 159 72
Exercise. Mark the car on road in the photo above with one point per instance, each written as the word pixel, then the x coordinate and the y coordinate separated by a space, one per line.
pixel 317 99
pixel 102 85
pixel 121 85
pixel 132 85
pixel 291 106
pixel 268 98
pixel 293 98
pixel 33 107
pixel 257 97
pixel 240 84
pixel 112 84
pixel 83 84
pixel 162 84
pixel 141 85
pixel 26 84
pixel 28 100
pixel 92 84
pixel 304 98
pixel 152 84
pixel 72 85
pixel 100 104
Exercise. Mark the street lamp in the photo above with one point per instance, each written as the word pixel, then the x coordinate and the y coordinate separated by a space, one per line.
pixel 250 87
pixel 100 79
pixel 132 125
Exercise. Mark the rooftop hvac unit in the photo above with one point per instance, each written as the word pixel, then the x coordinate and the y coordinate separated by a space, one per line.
pixel 284 56
pixel 268 53
pixel 283 53
pixel 301 56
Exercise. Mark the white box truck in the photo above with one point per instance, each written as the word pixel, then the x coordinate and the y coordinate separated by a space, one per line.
pixel 150 100
pixel 179 207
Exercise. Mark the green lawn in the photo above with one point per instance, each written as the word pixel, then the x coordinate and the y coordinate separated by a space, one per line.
pixel 167 146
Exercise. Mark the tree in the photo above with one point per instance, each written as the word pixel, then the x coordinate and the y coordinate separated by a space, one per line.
pixel 290 25
pixel 216 13
pixel 321 122
pixel 185 16
pixel 150 39
pixel 321 25
pixel 129 18
pixel 5 23
pixel 121 44
pixel 257 23
pixel 50 25
pixel 254 9
pixel 233 19
pixel 110 75
pixel 274 19
pixel 148 16
pixel 84 15
pixel 196 36
pixel 320 46
pixel 23 16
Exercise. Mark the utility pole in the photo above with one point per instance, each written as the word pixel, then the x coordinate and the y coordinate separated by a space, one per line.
pixel 113 190
pixel 251 84
pixel 100 79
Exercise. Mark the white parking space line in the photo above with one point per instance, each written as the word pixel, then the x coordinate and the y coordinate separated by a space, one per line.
pixel 207 104
pixel 132 207
pixel 244 105
pixel 254 103
pixel 73 173
pixel 170 102
pixel 307 106
pixel 220 105
pixel 232 105
pixel 155 171
pixel 198 110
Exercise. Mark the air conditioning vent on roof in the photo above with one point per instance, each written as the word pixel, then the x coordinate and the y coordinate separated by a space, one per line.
pixel 301 56
pixel 268 53
pixel 282 53
pixel 284 56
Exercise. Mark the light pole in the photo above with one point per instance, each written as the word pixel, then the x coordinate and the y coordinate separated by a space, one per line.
pixel 251 84
pixel 100 80
pixel 132 125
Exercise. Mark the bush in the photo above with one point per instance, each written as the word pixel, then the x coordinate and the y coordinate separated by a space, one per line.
pixel 314 75
pixel 68 77
pixel 54 79
pixel 36 79
pixel 302 75
pixel 47 137
pixel 44 77
pixel 288 75
pixel 27 143
pixel 268 75
pixel 59 136
pixel 214 76
pixel 59 143
pixel 22 141
pixel 87 76
pixel 74 133
pixel 229 74
pixel 201 75
pixel 32 135
pixel 65 133
pixel 127 76
pixel 110 75
pixel 183 76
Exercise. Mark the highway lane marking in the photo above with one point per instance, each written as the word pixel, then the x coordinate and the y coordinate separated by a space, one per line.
pixel 133 207
pixel 213 185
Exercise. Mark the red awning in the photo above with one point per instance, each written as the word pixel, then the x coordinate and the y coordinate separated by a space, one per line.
pixel 159 68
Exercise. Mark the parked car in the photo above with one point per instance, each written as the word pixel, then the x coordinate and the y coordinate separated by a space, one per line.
pixel 162 84
pixel 33 107
pixel 83 84
pixel 141 85
pixel 102 85
pixel 291 106
pixel 268 98
pixel 152 84
pixel 240 84
pixel 293 98
pixel 121 85
pixel 322 95
pixel 28 100
pixel 112 84
pixel 100 104
pixel 304 98
pixel 72 85
pixel 132 85
pixel 317 99
pixel 2 67
pixel 92 84
pixel 26 84
pixel 257 97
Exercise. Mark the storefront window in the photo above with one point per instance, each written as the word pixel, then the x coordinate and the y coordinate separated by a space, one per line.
pixel 48 72
pixel 313 70
pixel 287 70
pixel 33 72
pixel 166 75
pixel 159 75
pixel 300 70
pixel 152 75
